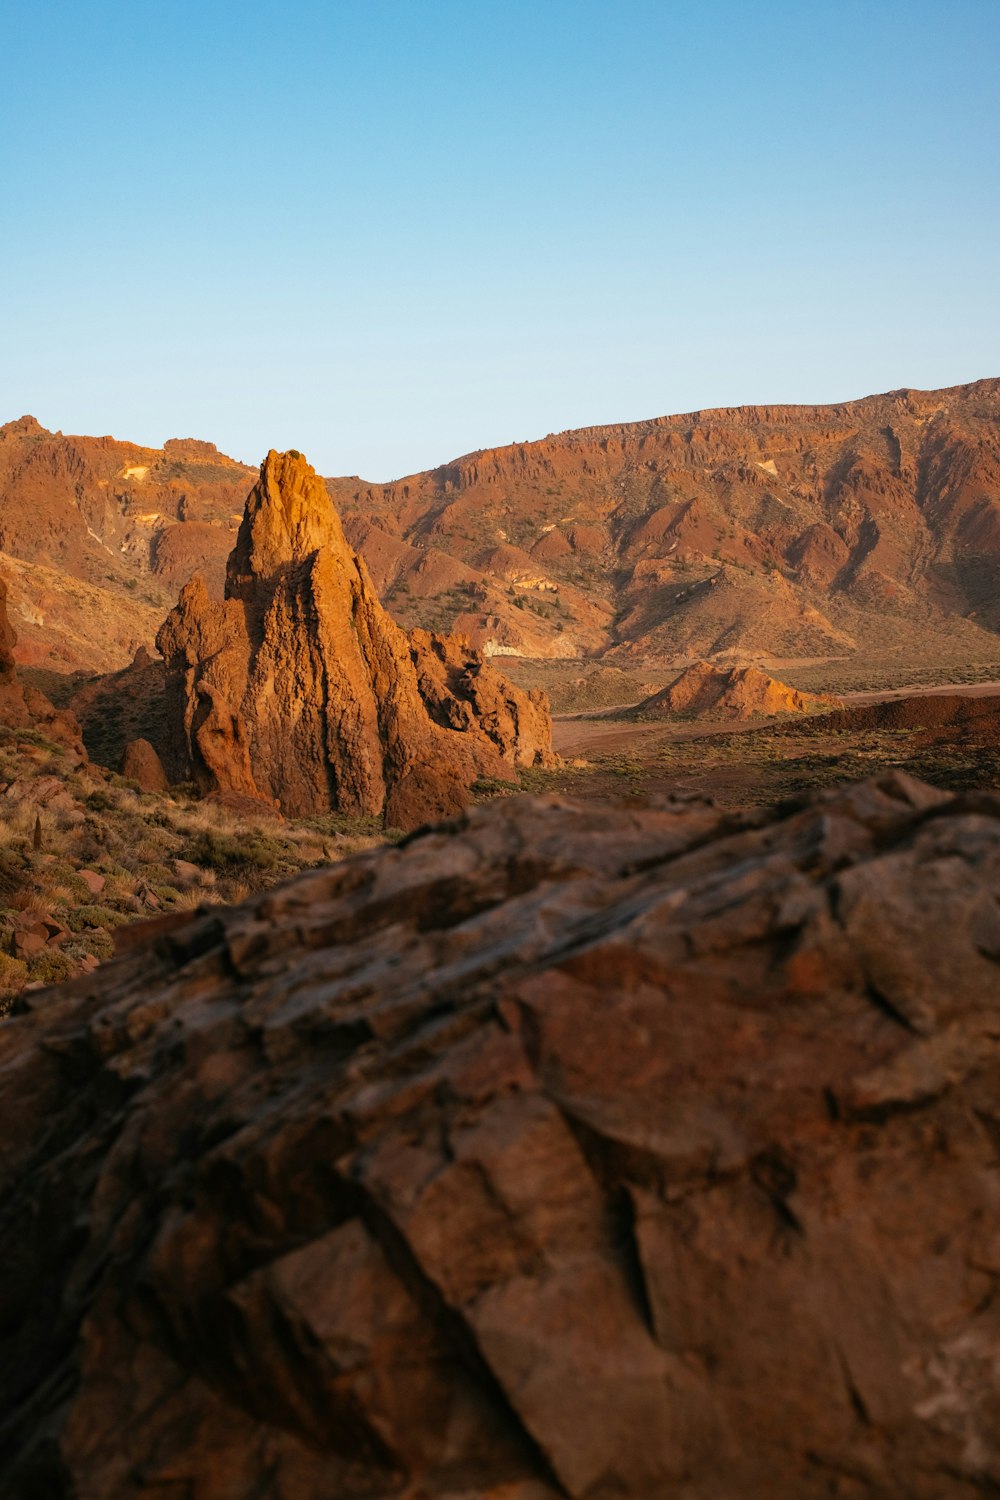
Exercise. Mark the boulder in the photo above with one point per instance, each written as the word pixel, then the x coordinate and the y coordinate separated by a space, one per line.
pixel 559 1151
pixel 94 882
pixel 298 690
pixel 141 764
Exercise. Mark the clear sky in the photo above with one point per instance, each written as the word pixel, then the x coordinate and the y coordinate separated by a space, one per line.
pixel 387 232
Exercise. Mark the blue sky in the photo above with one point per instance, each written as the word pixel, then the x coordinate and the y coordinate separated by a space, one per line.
pixel 387 233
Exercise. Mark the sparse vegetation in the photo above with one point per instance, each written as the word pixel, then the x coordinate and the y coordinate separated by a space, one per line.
pixel 108 855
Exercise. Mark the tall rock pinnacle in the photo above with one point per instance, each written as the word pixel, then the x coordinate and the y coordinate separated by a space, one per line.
pixel 300 690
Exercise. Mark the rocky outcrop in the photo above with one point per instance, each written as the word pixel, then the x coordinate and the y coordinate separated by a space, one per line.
pixel 705 691
pixel 462 690
pixel 561 1151
pixel 300 690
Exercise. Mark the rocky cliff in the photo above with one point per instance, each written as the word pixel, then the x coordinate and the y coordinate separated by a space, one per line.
pixel 300 690
pixel 561 1151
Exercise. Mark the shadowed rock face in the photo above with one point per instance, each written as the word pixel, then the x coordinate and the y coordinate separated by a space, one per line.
pixel 300 690
pixel 558 1151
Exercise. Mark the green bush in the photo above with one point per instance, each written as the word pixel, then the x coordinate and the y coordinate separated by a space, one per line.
pixel 230 852
pixel 94 916
pixel 50 966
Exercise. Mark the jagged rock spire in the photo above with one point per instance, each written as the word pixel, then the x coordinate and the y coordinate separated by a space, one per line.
pixel 301 690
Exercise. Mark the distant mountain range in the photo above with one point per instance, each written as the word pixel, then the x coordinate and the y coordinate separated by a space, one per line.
pixel 776 533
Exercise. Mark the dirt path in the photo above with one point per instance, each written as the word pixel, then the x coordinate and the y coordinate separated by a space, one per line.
pixel 581 736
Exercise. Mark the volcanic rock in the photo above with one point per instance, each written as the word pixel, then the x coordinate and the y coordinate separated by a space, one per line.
pixel 141 764
pixel 299 690
pixel 560 1151
pixel 705 691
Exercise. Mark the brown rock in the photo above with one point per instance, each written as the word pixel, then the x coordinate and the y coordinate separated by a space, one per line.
pixel 462 690
pixel 94 882
pixel 29 940
pixel 300 691
pixel 141 764
pixel 562 1150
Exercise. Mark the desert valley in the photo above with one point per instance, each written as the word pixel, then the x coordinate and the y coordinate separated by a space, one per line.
pixel 745 604
pixel 340 1077
pixel 500 813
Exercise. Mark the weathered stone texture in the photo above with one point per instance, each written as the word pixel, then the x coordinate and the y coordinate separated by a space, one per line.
pixel 300 690
pixel 560 1151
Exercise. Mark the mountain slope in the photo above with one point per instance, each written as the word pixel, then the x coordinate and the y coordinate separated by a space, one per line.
pixel 757 533
pixel 776 531
pixel 98 536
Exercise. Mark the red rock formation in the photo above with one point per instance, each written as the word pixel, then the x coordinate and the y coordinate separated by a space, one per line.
pixel 563 1151
pixel 704 691
pixel 300 690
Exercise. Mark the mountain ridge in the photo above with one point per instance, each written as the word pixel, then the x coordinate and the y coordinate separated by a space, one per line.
pixel 754 534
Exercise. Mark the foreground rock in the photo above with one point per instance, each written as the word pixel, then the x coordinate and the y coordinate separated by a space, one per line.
pixel 560 1151
pixel 703 691
pixel 301 691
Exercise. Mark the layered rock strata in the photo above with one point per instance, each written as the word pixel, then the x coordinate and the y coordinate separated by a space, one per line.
pixel 299 689
pixel 560 1151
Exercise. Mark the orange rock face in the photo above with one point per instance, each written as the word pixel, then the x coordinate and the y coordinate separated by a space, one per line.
pixel 299 689
pixel 704 691
pixel 562 1151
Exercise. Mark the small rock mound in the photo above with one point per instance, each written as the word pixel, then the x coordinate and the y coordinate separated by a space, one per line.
pixel 562 1151
pixel 300 691
pixel 141 764
pixel 703 691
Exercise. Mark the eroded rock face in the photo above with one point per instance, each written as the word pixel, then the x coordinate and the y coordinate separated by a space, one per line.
pixel 563 1150
pixel 299 689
